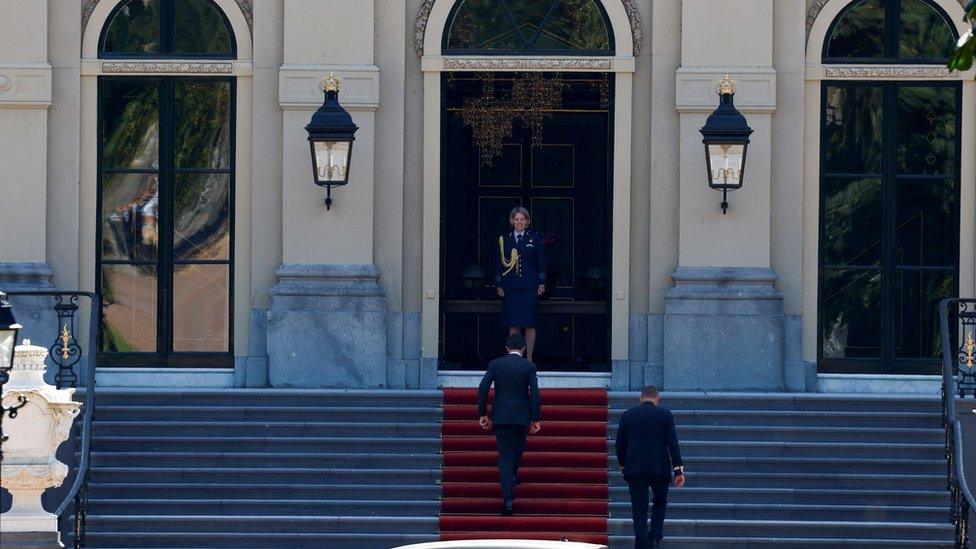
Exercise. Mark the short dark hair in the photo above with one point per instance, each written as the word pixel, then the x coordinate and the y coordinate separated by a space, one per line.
pixel 515 342
pixel 650 392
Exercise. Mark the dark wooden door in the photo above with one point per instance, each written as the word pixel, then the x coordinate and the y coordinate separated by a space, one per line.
pixel 564 183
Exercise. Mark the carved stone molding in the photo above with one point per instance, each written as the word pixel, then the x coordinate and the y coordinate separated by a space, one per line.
pixel 88 7
pixel 5 84
pixel 818 5
pixel 166 67
pixel 529 64
pixel 420 25
pixel 875 72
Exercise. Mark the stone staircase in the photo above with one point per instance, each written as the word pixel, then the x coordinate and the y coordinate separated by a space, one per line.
pixel 798 471
pixel 264 468
pixel 362 469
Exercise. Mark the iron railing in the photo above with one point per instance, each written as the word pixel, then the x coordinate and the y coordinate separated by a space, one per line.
pixel 66 353
pixel 958 381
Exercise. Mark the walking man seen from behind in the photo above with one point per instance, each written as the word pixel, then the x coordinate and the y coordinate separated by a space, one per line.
pixel 515 412
pixel 648 455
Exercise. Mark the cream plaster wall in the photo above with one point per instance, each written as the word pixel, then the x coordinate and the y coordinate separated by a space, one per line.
pixel 25 96
pixel 786 191
pixel 64 129
pixel 640 172
pixel 266 157
pixel 413 169
pixel 665 50
pixel 391 46
pixel 709 48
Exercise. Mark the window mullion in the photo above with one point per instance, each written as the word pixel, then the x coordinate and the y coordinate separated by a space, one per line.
pixel 892 28
pixel 166 147
pixel 888 194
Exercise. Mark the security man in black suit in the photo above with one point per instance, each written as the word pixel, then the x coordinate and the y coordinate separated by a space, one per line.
pixel 648 455
pixel 516 410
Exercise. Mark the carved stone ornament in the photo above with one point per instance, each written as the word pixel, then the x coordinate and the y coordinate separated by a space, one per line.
pixel 527 63
pixel 876 72
pixel 5 84
pixel 166 67
pixel 420 25
pixel 30 465
pixel 818 5
pixel 247 9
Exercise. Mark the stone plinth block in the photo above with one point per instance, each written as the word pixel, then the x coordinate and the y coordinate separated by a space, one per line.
pixel 29 463
pixel 723 330
pixel 327 327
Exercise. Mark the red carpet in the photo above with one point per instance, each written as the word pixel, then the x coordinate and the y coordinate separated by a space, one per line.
pixel 564 489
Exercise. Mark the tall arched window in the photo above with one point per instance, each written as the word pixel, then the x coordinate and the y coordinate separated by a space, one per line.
pixel 528 27
pixel 166 190
pixel 889 192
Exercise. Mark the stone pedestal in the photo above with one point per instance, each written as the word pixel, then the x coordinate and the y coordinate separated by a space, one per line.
pixel 29 464
pixel 723 330
pixel 327 327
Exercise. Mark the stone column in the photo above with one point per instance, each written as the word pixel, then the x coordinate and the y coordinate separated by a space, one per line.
pixel 723 324
pixel 29 463
pixel 25 97
pixel 327 324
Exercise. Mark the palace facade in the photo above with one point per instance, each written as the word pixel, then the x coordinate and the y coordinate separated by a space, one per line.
pixel 154 151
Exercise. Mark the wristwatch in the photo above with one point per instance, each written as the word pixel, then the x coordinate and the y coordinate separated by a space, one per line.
pixel 679 471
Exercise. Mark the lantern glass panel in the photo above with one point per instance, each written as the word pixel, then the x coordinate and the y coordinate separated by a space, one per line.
pixel 725 163
pixel 331 161
pixel 8 337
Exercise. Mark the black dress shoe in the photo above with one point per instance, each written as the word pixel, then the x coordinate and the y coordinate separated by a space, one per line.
pixel 507 510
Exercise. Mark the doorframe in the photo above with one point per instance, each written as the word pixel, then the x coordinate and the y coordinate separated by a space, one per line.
pixel 622 65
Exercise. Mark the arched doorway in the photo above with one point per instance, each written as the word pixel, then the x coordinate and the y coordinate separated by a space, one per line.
pixel 571 168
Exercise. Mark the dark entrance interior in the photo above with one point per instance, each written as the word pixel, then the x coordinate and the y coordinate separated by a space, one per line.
pixel 563 179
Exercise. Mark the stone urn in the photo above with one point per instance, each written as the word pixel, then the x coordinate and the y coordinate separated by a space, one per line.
pixel 29 465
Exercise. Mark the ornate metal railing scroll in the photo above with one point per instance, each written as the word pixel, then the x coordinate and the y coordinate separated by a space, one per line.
pixel 66 353
pixel 958 329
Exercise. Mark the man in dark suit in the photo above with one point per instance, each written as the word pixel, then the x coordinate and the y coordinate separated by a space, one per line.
pixel 515 411
pixel 648 455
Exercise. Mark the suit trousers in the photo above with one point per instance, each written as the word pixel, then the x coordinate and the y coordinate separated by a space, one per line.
pixel 639 485
pixel 511 444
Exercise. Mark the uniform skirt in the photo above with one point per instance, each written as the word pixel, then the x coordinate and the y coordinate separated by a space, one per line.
pixel 519 307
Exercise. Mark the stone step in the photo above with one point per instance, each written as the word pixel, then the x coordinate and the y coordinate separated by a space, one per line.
pixel 724 542
pixel 797 529
pixel 266 460
pixel 265 444
pixel 798 496
pixel 166 398
pixel 790 433
pixel 230 539
pixel 335 524
pixel 229 475
pixel 838 481
pixel 777 511
pixel 772 448
pixel 271 507
pixel 265 429
pixel 189 491
pixel 256 413
pixel 804 418
pixel 784 401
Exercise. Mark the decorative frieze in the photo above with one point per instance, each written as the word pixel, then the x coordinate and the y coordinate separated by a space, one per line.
pixel 527 63
pixel 874 72
pixel 5 84
pixel 25 85
pixel 116 67
pixel 420 25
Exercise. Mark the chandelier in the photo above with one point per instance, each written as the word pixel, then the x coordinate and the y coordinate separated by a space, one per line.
pixel 491 118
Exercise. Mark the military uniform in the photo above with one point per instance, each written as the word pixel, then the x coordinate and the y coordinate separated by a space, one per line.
pixel 520 268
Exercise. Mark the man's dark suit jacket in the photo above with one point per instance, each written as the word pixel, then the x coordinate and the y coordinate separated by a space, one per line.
pixel 647 442
pixel 517 399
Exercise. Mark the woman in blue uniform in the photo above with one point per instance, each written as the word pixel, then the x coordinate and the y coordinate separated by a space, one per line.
pixel 520 275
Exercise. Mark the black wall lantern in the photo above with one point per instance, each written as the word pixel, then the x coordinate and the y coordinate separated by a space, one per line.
pixel 330 136
pixel 726 138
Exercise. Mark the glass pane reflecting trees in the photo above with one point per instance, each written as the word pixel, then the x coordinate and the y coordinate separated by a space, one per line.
pixel 166 215
pixel 889 208
pixel 915 31
pixel 528 26
pixel 167 28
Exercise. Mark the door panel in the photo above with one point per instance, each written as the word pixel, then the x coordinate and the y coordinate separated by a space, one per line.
pixel 564 181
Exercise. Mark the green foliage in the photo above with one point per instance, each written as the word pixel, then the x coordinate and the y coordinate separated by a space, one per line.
pixel 962 58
